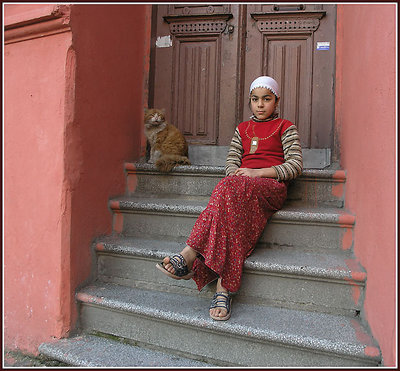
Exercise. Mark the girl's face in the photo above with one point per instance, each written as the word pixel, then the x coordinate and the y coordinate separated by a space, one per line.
pixel 263 103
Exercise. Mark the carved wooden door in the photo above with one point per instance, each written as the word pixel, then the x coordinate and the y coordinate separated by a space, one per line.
pixel 204 58
pixel 194 69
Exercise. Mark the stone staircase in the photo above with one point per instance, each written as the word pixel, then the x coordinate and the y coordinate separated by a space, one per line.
pixel 299 303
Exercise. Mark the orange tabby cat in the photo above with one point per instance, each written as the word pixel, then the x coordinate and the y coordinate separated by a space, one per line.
pixel 168 146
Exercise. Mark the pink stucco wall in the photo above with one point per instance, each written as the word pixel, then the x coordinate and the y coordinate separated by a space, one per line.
pixel 24 13
pixel 366 128
pixel 33 184
pixel 73 115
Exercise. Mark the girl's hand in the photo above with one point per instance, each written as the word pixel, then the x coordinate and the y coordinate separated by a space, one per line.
pixel 256 173
pixel 252 173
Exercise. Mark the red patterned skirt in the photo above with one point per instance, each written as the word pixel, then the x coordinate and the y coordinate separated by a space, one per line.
pixel 227 231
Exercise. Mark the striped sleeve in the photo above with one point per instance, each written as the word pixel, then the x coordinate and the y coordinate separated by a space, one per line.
pixel 235 152
pixel 293 165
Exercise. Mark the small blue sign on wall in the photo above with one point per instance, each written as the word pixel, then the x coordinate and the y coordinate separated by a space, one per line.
pixel 323 45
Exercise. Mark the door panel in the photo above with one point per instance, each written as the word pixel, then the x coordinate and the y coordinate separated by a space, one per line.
pixel 196 64
pixel 287 59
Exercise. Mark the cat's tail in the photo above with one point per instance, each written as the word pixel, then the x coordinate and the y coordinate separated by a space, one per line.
pixel 167 162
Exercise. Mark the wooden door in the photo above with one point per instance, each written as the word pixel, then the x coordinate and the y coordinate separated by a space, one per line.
pixel 204 58
pixel 296 45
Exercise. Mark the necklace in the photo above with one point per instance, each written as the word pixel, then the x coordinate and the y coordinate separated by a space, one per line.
pixel 255 139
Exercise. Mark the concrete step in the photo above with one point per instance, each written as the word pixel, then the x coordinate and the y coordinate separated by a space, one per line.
pixel 174 216
pixel 312 188
pixel 313 158
pixel 96 351
pixel 329 283
pixel 255 336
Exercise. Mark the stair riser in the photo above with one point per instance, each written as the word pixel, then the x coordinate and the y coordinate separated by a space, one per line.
pixel 187 184
pixel 309 192
pixel 317 192
pixel 288 291
pixel 306 236
pixel 203 343
pixel 310 236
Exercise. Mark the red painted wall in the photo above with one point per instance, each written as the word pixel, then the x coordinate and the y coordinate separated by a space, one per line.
pixel 366 131
pixel 111 46
pixel 73 114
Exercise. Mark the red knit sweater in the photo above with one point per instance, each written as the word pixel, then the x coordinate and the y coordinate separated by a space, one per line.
pixel 269 151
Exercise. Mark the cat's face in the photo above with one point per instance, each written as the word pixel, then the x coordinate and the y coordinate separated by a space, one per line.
pixel 153 117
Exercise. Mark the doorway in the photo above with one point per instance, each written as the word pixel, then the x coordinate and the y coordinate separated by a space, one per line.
pixel 204 58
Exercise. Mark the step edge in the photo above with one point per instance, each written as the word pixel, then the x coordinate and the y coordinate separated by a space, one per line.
pixel 51 351
pixel 351 350
pixel 343 276
pixel 307 174
pixel 327 216
pixel 155 207
pixel 55 351
pixel 146 168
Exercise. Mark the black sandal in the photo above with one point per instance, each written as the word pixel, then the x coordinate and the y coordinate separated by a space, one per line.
pixel 179 264
pixel 221 303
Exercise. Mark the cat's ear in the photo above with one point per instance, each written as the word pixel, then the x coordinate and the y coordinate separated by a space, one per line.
pixel 162 111
pixel 146 110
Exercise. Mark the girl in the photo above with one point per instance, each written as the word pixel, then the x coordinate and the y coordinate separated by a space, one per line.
pixel 265 153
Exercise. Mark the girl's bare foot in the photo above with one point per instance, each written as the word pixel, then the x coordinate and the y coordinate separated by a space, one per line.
pixel 188 253
pixel 220 312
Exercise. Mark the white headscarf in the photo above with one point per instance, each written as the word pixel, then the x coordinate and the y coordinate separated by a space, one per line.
pixel 265 82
